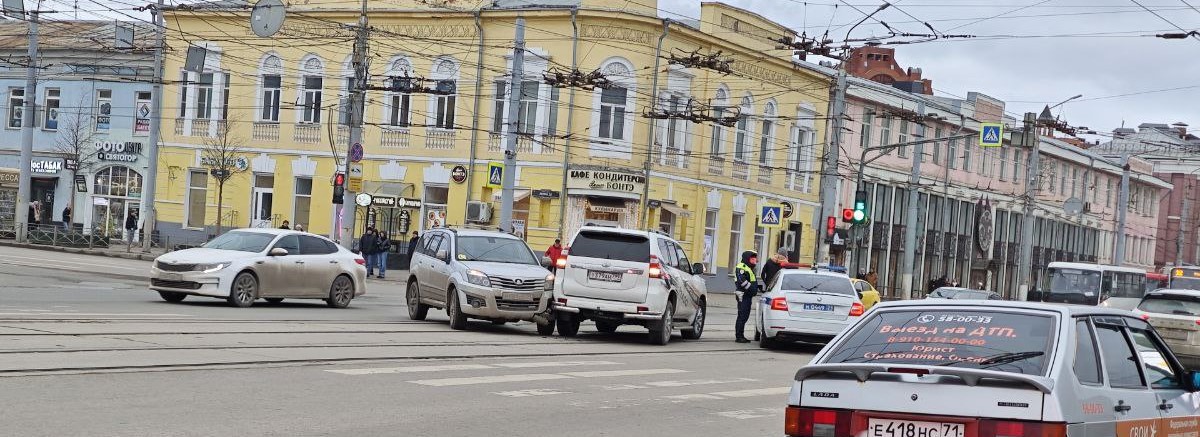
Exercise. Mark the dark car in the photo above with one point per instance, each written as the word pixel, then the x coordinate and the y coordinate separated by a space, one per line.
pixel 959 293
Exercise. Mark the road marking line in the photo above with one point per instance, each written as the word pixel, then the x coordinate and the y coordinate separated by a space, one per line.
pixel 622 387
pixel 445 382
pixel 414 369
pixel 532 365
pixel 754 392
pixel 633 372
pixel 686 383
pixel 692 397
pixel 756 413
pixel 100 314
pixel 531 392
pixel 60 261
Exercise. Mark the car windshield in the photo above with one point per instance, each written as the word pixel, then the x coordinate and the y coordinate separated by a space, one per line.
pixel 1074 286
pixel 494 249
pixel 977 339
pixel 241 241
pixel 816 283
pixel 1171 304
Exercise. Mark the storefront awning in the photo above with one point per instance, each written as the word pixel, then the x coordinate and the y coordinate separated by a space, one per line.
pixel 606 204
pixel 676 209
pixel 518 195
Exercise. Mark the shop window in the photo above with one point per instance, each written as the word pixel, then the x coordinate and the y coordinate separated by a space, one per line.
pixel 16 107
pixel 197 198
pixel 666 222
pixel 51 105
pixel 103 110
pixel 118 181
pixel 435 206
pixel 302 201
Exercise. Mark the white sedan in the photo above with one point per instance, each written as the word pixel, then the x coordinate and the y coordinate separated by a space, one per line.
pixel 244 265
pixel 806 306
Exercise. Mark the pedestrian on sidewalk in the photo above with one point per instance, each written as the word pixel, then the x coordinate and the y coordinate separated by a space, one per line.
pixel 35 214
pixel 773 266
pixel 382 245
pixel 131 225
pixel 412 248
pixel 554 252
pixel 66 218
pixel 286 225
pixel 747 287
pixel 366 244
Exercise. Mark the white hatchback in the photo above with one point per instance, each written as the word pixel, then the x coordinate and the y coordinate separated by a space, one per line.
pixel 806 306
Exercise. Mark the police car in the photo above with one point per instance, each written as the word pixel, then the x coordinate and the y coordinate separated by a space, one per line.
pixel 994 368
pixel 809 306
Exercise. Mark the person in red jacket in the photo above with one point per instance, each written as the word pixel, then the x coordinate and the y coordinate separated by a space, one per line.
pixel 554 251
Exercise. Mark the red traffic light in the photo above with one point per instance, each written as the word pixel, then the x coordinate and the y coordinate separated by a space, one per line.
pixel 339 179
pixel 830 226
pixel 847 215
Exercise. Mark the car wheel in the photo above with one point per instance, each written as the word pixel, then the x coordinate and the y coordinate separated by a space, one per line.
pixel 341 292
pixel 416 309
pixel 764 341
pixel 274 300
pixel 244 290
pixel 458 320
pixel 697 328
pixel 171 296
pixel 607 327
pixel 662 335
pixel 568 325
pixel 546 329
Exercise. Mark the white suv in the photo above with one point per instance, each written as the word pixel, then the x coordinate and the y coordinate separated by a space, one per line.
pixel 622 276
pixel 479 274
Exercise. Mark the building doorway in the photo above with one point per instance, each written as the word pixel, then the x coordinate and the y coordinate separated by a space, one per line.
pixel 262 200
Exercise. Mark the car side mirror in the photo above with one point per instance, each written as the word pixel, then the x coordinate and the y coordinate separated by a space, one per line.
pixel 278 251
pixel 697 269
pixel 442 254
pixel 1193 380
pixel 547 262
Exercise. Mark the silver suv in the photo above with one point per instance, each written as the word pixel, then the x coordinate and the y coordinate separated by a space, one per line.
pixel 622 276
pixel 480 275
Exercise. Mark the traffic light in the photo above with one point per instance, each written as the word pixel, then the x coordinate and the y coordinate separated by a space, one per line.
pixel 860 207
pixel 339 188
pixel 847 215
pixel 830 227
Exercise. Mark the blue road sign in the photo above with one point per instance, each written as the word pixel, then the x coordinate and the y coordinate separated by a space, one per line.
pixel 356 152
pixel 771 216
pixel 495 175
pixel 991 134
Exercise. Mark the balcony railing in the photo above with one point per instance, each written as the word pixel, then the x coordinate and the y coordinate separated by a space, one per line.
pixel 265 131
pixel 306 133
pixel 765 175
pixel 179 126
pixel 671 157
pixel 741 170
pixel 716 165
pixel 526 144
pixel 200 128
pixel 342 136
pixel 393 138
pixel 440 139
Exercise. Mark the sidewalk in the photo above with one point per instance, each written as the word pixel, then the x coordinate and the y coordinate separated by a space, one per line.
pixel 117 251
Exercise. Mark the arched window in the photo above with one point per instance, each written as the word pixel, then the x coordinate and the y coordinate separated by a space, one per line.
pixel 741 145
pixel 270 87
pixel 720 100
pixel 397 105
pixel 312 83
pixel 767 145
pixel 443 105
pixel 118 181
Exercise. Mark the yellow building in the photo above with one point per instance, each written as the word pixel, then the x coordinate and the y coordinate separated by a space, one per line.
pixel 584 155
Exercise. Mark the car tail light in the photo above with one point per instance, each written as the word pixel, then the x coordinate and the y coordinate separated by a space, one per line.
pixel 562 301
pixel 1007 428
pixel 360 261
pixel 856 309
pixel 779 304
pixel 656 271
pixel 918 372
pixel 811 422
pixel 643 309
pixel 561 262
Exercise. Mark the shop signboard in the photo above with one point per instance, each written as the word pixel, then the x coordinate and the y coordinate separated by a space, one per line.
pixel 9 178
pixel 115 151
pixel 605 180
pixel 46 166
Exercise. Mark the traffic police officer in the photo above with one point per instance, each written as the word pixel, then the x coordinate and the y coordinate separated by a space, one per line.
pixel 747 286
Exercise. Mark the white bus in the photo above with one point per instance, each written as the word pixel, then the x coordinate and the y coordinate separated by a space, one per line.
pixel 1093 284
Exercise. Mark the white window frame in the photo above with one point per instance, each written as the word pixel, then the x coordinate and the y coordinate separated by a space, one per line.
pixel 311 67
pixel 269 98
pixel 187 201
pixel 621 73
pixel 16 108
pixel 51 108
pixel 744 131
pixel 103 97
pixel 442 108
pixel 296 196
pixel 716 147
pixel 902 138
pixel 204 95
pixel 710 230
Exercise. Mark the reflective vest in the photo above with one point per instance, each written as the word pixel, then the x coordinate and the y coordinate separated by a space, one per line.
pixel 746 269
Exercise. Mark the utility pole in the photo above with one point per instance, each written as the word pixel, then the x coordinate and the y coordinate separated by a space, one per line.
pixel 357 97
pixel 829 173
pixel 1032 174
pixel 909 260
pixel 24 186
pixel 514 111
pixel 1122 208
pixel 149 214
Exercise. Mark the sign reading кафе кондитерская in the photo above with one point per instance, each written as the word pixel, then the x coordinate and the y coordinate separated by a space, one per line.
pixel 605 180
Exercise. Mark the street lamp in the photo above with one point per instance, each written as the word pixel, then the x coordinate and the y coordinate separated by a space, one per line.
pixel 1178 35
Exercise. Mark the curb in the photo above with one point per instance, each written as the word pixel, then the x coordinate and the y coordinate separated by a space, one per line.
pixel 137 256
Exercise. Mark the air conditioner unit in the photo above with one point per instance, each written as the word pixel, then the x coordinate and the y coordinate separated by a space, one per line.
pixel 479 212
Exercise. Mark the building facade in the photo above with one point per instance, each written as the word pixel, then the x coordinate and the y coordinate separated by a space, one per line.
pixel 436 121
pixel 91 121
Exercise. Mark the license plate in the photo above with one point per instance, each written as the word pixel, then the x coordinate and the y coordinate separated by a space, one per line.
pixel 911 428
pixel 171 277
pixel 516 296
pixel 817 307
pixel 596 275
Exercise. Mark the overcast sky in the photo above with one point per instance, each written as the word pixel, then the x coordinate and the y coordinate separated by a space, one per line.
pixel 1025 71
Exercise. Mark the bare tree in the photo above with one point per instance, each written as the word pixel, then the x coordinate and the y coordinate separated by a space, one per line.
pixel 76 133
pixel 224 156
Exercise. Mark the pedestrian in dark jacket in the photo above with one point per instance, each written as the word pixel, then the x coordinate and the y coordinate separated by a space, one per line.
pixel 66 218
pixel 131 225
pixel 383 244
pixel 747 287
pixel 412 247
pixel 367 245
pixel 773 266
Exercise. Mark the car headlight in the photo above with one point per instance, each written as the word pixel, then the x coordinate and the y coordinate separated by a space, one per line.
pixel 477 277
pixel 549 283
pixel 212 268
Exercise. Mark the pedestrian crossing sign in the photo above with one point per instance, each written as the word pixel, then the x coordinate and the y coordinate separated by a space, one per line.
pixel 771 216
pixel 991 134
pixel 495 175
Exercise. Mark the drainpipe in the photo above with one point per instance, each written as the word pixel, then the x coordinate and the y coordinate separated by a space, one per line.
pixel 562 199
pixel 475 119
pixel 650 134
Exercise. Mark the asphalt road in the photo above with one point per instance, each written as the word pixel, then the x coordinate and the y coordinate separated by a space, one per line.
pixel 86 349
